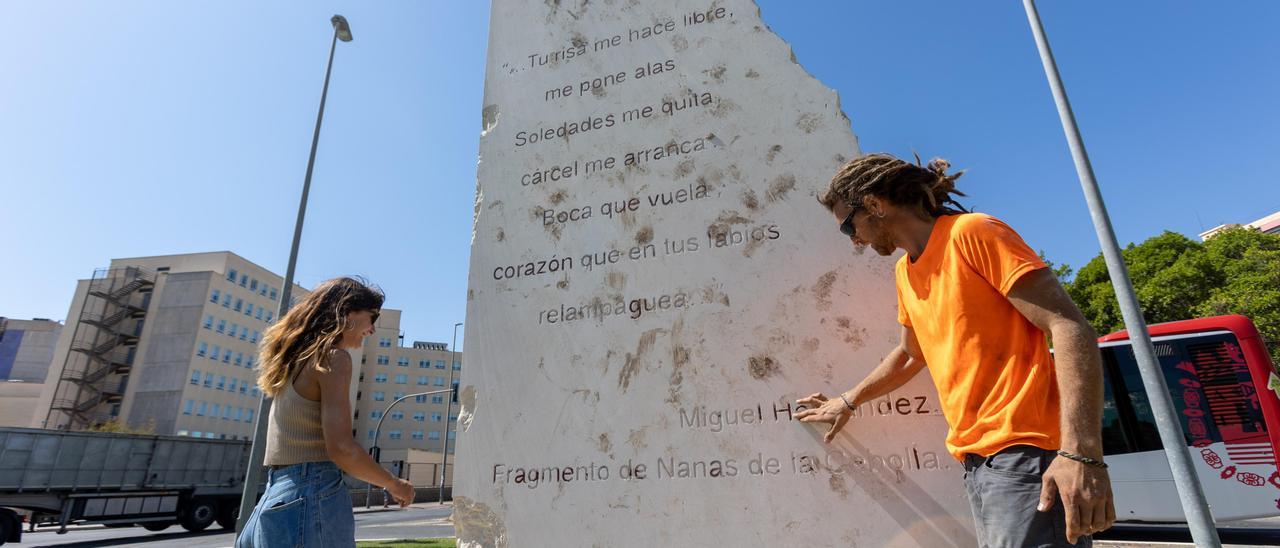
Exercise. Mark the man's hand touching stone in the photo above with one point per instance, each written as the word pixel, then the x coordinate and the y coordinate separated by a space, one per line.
pixel 822 409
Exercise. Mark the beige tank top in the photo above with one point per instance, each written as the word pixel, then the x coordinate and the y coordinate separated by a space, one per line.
pixel 294 432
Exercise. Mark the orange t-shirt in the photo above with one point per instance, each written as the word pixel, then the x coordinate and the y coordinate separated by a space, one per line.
pixel 991 365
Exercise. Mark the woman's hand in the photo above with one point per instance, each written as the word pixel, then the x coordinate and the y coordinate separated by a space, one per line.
pixel 402 491
pixel 832 411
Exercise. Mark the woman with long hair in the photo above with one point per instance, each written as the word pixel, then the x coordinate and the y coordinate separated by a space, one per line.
pixel 305 367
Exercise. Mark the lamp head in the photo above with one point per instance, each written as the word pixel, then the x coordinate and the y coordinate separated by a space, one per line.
pixel 341 26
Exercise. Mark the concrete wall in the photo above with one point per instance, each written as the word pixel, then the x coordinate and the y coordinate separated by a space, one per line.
pixel 34 352
pixel 161 368
pixel 18 403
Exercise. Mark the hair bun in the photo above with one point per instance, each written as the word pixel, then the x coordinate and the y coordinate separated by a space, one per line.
pixel 939 166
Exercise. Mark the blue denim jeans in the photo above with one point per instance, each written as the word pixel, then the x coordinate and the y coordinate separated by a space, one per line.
pixel 305 506
pixel 1004 490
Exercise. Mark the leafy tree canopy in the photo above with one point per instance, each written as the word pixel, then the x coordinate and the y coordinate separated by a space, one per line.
pixel 1236 271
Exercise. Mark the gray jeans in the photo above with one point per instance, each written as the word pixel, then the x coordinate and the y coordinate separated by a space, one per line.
pixel 1004 490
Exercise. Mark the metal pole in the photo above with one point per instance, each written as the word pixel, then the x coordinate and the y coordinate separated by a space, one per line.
pixel 1199 518
pixel 448 408
pixel 253 476
pixel 378 430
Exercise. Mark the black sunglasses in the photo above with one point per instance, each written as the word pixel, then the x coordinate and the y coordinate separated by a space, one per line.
pixel 847 227
pixel 373 318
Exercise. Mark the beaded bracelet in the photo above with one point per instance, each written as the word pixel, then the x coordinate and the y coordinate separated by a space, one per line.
pixel 1082 459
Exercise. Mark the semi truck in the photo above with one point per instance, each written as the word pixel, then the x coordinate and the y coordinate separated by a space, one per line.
pixel 62 478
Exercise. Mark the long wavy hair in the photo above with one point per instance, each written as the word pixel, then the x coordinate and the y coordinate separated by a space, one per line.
pixel 311 330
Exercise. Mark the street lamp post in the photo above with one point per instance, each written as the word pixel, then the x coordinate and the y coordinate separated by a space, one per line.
pixel 374 450
pixel 1194 506
pixel 253 476
pixel 448 408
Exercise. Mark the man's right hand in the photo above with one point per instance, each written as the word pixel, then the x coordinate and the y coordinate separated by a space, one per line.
pixel 402 491
pixel 832 411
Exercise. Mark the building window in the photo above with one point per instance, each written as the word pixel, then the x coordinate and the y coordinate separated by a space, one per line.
pixel 370 431
pixel 248 361
pixel 222 382
pixel 226 356
pixel 248 415
pixel 417 434
pixel 222 326
pixel 420 399
pixel 226 413
pixel 244 333
pixel 239 414
pixel 402 361
pixel 380 377
pixel 254 338
pixel 399 395
pixel 436 417
pixel 243 386
pixel 253 393
pixel 375 415
pixel 268 316
pixel 195 377
pixel 384 342
pixel 200 411
pixel 226 300
pixel 214 298
pixel 234 328
pixel 208 380
pixel 253 284
pixel 239 305
pixel 424 364
pixel 453 435
pixel 203 349
pixel 397 415
pixel 239 358
pixel 188 407
pixel 439 381
pixel 234 382
pixel 383 360
pixel 433 436
pixel 439 364
pixel 457 366
pixel 244 280
pixel 394 434
pixel 379 396
pixel 248 311
pixel 231 275
pixel 273 293
pixel 423 380
pixel 263 290
pixel 208 321
pixel 217 353
pixel 453 418
pixel 182 432
pixel 437 399
pixel 258 314
pixel 210 435
pixel 401 379
pixel 195 434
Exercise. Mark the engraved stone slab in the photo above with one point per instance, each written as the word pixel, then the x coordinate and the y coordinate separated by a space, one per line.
pixel 652 287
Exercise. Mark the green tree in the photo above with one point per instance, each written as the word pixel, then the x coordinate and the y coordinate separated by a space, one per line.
pixel 1235 272
pixel 117 426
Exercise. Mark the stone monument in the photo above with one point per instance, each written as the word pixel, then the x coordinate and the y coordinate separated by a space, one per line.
pixel 653 286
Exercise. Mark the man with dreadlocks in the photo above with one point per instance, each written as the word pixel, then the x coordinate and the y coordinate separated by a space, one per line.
pixel 975 304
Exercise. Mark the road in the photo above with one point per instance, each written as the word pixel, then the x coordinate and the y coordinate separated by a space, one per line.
pixel 425 520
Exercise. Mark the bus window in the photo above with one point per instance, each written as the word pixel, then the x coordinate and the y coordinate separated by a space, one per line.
pixel 1114 439
pixel 1209 382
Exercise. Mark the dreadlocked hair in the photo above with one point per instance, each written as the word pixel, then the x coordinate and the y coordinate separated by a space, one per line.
pixel 306 334
pixel 898 181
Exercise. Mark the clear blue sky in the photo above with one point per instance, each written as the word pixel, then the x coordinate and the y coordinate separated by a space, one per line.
pixel 148 128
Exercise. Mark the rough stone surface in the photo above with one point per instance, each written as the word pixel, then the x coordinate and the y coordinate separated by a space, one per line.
pixel 632 367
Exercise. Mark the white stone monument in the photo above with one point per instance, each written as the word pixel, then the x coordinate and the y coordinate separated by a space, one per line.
pixel 652 287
